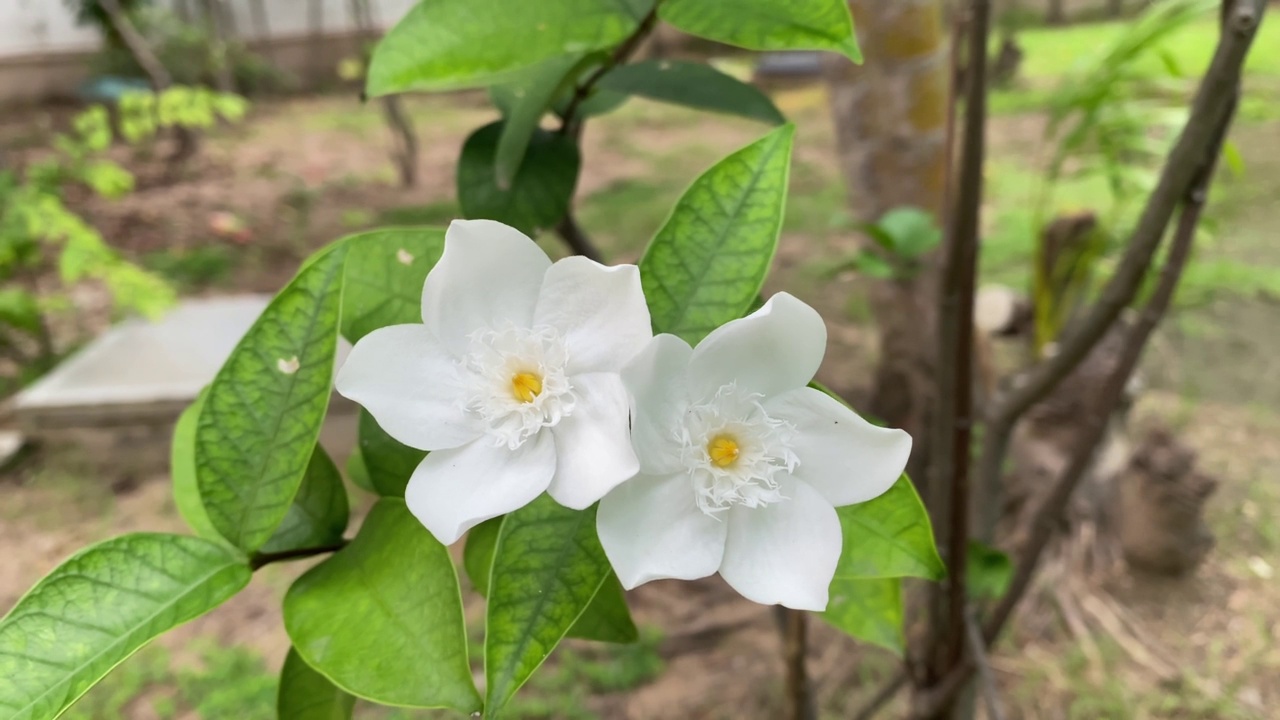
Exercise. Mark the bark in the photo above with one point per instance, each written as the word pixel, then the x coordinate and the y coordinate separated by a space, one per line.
pixel 891 116
pixel 1055 14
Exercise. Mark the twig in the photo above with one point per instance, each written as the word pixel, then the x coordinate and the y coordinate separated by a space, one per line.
pixel 576 239
pixel 882 698
pixel 261 559
pixel 619 56
pixel 794 630
pixel 979 653
pixel 955 355
pixel 1197 149
pixel 1209 112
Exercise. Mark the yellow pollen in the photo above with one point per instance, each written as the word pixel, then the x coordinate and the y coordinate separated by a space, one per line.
pixel 526 386
pixel 723 450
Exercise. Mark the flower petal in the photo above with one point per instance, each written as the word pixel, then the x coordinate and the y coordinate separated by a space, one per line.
pixel 657 380
pixel 593 443
pixel 489 274
pixel 411 385
pixel 651 529
pixel 786 552
pixel 599 310
pixel 452 491
pixel 842 456
pixel 774 349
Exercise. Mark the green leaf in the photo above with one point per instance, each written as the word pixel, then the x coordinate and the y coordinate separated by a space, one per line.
pixel 606 619
pixel 444 44
pixel 389 463
pixel 263 412
pixel 358 472
pixel 889 536
pixel 382 618
pixel 1234 159
pixel 307 695
pixel 872 265
pixel 869 610
pixel 695 85
pixel 988 571
pixel 548 565
pixel 477 557
pixel 384 276
pixel 541 190
pixel 526 100
pixel 318 515
pixel 706 265
pixel 19 309
pixel 768 24
pixel 908 231
pixel 182 466
pixel 99 607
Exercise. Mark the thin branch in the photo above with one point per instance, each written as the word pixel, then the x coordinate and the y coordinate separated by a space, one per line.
pixel 577 240
pixel 978 651
pixel 620 55
pixel 146 59
pixel 1187 173
pixel 262 559
pixel 793 626
pixel 882 698
pixel 1209 111
pixel 955 352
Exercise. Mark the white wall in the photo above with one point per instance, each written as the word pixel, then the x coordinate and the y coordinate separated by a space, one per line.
pixel 33 27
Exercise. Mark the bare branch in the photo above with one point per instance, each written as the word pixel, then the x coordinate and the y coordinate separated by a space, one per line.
pixel 950 480
pixel 1209 112
pixel 978 651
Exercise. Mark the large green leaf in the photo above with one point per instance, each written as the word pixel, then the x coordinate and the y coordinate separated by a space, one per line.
pixel 388 462
pixel 444 44
pixel 695 85
pixel 182 468
pixel 868 609
pixel 382 618
pixel 606 619
pixel 547 567
pixel 384 276
pixel 889 536
pixel 526 100
pixel 307 695
pixel 263 412
pixel 767 24
pixel 706 265
pixel 318 515
pixel 99 607
pixel 541 190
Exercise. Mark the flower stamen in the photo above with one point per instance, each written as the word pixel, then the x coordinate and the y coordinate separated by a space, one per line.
pixel 723 450
pixel 526 386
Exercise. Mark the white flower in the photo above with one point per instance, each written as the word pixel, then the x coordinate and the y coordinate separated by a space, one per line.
pixel 742 465
pixel 512 381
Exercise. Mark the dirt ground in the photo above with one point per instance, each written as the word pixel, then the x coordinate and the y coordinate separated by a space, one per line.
pixel 303 172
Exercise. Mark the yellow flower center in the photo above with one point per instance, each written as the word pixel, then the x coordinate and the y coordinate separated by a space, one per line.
pixel 723 450
pixel 526 386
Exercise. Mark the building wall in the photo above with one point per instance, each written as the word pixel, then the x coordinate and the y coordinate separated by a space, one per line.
pixel 43 52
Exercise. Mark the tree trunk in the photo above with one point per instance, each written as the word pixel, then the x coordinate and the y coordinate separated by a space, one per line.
pixel 891 116
pixel 1055 14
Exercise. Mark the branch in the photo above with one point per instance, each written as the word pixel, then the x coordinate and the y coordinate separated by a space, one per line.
pixel 147 60
pixel 955 355
pixel 619 56
pixel 882 698
pixel 794 631
pixel 1210 111
pixel 262 559
pixel 576 239
pixel 978 651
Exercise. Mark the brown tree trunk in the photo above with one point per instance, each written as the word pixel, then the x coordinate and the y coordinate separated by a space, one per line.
pixel 891 116
pixel 1055 14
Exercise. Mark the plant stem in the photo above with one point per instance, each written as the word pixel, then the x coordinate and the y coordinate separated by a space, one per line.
pixel 577 240
pixel 793 625
pixel 259 560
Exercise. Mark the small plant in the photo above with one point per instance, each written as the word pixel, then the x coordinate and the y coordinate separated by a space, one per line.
pixel 39 233
pixel 899 240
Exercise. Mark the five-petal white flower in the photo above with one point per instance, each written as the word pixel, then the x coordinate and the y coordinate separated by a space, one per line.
pixel 741 464
pixel 511 381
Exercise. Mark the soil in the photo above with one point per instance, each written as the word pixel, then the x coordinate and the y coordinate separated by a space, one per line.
pixel 303 172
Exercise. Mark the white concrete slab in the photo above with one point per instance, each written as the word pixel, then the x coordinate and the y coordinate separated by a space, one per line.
pixel 144 363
